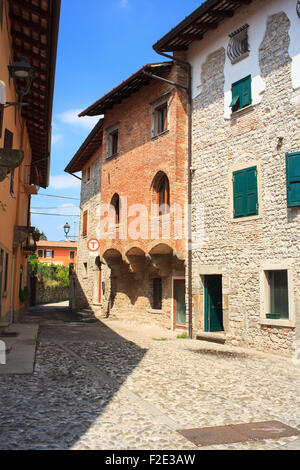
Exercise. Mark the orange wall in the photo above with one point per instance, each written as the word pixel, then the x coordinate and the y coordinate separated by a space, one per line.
pixel 61 255
pixel 13 209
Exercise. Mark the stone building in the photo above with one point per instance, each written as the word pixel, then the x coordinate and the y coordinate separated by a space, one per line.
pixel 245 62
pixel 133 198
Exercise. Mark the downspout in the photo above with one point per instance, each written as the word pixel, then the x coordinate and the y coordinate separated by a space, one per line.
pixel 187 65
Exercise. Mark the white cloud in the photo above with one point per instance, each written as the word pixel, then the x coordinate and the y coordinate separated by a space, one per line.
pixel 64 182
pixel 56 138
pixel 67 209
pixel 71 117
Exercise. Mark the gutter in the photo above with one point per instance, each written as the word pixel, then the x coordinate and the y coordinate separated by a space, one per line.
pixel 187 65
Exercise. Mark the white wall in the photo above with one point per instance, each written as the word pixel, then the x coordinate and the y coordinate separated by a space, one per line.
pixel 255 15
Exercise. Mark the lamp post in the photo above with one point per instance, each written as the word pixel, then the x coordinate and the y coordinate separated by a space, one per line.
pixel 22 74
pixel 67 229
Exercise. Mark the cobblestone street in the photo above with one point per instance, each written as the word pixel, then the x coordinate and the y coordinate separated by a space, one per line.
pixel 115 385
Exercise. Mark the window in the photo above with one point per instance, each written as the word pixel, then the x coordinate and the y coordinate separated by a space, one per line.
pixel 85 269
pixel 12 182
pixel 1 16
pixel 238 46
pixel 241 94
pixel 160 119
pixel 1 119
pixel 72 254
pixel 157 294
pixel 116 205
pixel 113 143
pixel 85 224
pixel 6 272
pixel 49 254
pixel 277 296
pixel 40 253
pixel 88 174
pixel 245 194
pixel 162 189
pixel 293 179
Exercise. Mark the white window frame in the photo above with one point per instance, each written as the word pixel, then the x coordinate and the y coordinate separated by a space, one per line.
pixel 109 132
pixel 264 290
pixel 156 105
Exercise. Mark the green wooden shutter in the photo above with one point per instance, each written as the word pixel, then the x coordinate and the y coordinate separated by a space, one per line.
pixel 241 93
pixel 239 185
pixel 245 194
pixel 245 92
pixel 293 179
pixel 252 195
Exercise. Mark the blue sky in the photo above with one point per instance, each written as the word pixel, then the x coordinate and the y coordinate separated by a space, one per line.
pixel 101 42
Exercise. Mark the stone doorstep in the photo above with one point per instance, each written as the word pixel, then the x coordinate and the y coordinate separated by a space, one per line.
pixel 214 337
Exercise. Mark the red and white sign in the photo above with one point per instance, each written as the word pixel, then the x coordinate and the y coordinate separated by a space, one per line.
pixel 93 245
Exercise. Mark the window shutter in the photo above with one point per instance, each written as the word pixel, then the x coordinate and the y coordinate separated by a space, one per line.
pixel 245 92
pixel 245 194
pixel 52 253
pixel 293 179
pixel 239 185
pixel 252 195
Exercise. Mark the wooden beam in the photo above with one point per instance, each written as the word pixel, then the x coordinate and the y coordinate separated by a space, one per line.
pixel 29 7
pixel 191 36
pixel 205 26
pixel 30 40
pixel 29 24
pixel 222 13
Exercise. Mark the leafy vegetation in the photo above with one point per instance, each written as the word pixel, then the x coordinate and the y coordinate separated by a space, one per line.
pixel 183 336
pixel 51 274
pixel 23 294
pixel 37 235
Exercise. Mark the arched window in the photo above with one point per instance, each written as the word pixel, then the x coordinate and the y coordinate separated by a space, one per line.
pixel 162 188
pixel 116 204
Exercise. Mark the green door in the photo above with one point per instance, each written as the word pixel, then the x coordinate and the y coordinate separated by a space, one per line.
pixel 213 303
pixel 179 302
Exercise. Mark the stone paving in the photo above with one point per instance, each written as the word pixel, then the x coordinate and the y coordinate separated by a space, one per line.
pixel 115 385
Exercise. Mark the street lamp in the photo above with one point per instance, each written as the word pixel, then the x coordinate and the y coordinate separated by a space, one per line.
pixel 21 72
pixel 67 229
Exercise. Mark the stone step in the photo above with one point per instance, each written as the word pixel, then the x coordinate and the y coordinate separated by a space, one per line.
pixel 214 337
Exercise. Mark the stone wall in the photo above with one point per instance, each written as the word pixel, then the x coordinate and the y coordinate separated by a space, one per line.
pixel 238 249
pixel 48 295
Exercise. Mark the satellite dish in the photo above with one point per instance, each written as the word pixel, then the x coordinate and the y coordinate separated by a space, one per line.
pixel 2 93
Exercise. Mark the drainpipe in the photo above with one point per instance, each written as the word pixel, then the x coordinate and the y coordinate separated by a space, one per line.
pixel 187 65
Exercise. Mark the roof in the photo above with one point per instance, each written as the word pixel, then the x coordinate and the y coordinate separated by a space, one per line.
pixel 34 33
pixel 56 244
pixel 87 150
pixel 205 18
pixel 126 88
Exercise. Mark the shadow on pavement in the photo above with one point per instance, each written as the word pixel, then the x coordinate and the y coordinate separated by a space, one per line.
pixel 58 404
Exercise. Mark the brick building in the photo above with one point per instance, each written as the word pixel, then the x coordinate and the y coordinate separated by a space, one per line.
pixel 133 188
pixel 245 60
pixel 62 253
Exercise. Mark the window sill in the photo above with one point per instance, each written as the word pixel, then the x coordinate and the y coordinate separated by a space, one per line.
pixel 242 111
pixel 108 157
pixel 157 136
pixel 281 323
pixel 155 311
pixel 241 57
pixel 245 219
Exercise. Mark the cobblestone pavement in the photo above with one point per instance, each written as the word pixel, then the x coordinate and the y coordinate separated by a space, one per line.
pixel 116 385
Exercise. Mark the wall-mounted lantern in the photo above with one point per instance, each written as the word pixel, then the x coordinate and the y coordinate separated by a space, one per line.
pixel 22 74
